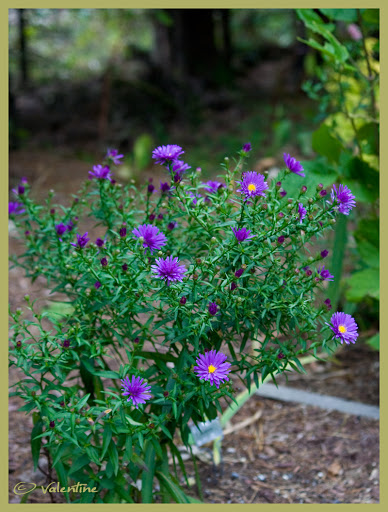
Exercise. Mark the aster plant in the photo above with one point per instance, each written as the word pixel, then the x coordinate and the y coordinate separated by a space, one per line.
pixel 179 298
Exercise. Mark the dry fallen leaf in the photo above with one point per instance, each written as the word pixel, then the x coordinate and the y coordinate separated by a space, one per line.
pixel 335 469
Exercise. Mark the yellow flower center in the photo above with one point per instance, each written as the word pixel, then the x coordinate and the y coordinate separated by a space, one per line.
pixel 342 328
pixel 251 187
pixel 211 368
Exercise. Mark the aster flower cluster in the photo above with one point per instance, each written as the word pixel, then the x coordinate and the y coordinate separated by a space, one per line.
pixel 169 157
pixel 179 280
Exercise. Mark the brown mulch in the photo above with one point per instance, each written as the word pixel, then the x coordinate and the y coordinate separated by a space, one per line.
pixel 292 454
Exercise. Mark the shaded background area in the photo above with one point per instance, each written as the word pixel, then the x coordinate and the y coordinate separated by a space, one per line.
pixel 205 79
pixel 209 80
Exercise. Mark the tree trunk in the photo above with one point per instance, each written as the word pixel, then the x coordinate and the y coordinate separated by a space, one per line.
pixel 23 62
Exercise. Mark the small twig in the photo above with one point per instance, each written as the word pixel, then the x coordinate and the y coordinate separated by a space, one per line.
pixel 243 424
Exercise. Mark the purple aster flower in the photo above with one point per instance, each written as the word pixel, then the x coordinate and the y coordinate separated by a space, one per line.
pixel 302 212
pixel 136 389
pixel 112 155
pixel 239 272
pixel 101 173
pixel 213 186
pixel 252 184
pixel 293 165
pixel 324 273
pixel 123 232
pixel 165 188
pixel 247 147
pixel 97 285
pixel 19 191
pixel 70 226
pixel 324 253
pixel 15 208
pixel 60 229
pixel 179 167
pixel 169 269
pixel 233 286
pixel 344 327
pixel 81 240
pixel 195 197
pixel 213 308
pixel 211 366
pixel 343 198
pixel 178 177
pixel 104 262
pixel 153 238
pixel 100 242
pixel 164 155
pixel 242 234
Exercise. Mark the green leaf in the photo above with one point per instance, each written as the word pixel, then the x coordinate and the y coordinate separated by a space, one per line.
pixel 36 443
pixel 82 402
pixel 348 15
pixel 363 283
pixel 106 440
pixel 148 476
pixel 325 144
pixel 374 342
pixel 142 149
pixel 79 463
pixel 62 477
pixel 369 253
pixel 173 488
pixel 113 456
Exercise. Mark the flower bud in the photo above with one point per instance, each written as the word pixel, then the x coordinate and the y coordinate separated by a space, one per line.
pixel 278 184
pixel 165 394
pixel 198 261
pixel 141 239
pixel 280 215
pixel 303 190
pixel 213 240
pixel 264 206
pixel 332 221
pixel 310 200
pixel 296 271
pixel 319 187
pixel 183 300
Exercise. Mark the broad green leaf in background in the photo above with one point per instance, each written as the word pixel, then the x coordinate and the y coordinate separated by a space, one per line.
pixel 348 15
pixel 325 144
pixel 362 283
pixel 374 341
